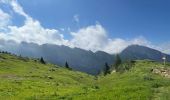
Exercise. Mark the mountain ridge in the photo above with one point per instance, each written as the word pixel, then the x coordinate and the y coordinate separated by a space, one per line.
pixel 138 52
pixel 80 59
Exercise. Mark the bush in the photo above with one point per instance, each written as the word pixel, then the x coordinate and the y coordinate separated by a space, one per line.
pixel 156 85
pixel 148 78
pixel 127 65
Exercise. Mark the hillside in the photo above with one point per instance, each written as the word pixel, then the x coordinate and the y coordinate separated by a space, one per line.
pixel 23 78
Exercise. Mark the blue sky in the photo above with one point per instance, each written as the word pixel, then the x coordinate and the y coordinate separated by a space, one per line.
pixel 121 18
pixel 144 21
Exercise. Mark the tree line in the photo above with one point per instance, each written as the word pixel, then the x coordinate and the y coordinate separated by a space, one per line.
pixel 118 66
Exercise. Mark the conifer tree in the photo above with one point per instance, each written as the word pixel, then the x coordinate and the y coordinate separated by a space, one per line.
pixel 107 69
pixel 42 60
pixel 67 66
pixel 118 61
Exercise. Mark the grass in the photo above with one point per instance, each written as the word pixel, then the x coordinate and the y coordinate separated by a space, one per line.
pixel 28 79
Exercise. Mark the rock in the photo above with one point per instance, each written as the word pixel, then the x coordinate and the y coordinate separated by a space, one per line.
pixel 113 71
pixel 165 72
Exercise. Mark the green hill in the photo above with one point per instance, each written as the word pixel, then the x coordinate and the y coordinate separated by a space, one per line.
pixel 24 78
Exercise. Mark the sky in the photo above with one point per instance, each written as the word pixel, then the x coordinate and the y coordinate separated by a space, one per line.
pixel 106 25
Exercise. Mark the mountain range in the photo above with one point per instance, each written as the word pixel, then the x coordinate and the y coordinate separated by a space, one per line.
pixel 79 59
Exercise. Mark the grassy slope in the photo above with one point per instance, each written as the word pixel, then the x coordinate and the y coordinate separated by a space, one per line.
pixel 23 78
pixel 137 84
pixel 27 79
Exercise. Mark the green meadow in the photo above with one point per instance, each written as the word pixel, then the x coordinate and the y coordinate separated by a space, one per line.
pixel 28 79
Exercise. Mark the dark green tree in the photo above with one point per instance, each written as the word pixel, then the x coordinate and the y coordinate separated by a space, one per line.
pixel 42 60
pixel 107 69
pixel 67 66
pixel 118 62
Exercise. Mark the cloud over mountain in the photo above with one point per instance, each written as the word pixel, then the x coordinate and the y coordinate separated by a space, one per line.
pixel 31 31
pixel 93 37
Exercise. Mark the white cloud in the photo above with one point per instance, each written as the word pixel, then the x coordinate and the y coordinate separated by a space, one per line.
pixel 18 9
pixel 15 6
pixel 76 18
pixel 31 31
pixel 117 45
pixel 4 1
pixel 62 29
pixel 164 47
pixel 89 38
pixel 92 37
pixel 4 19
pixel 95 38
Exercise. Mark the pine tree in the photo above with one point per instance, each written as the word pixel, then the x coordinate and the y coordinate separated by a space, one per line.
pixel 42 60
pixel 107 69
pixel 67 66
pixel 118 61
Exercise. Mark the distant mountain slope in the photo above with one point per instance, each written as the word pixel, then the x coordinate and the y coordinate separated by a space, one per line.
pixel 141 52
pixel 79 59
